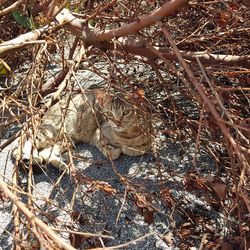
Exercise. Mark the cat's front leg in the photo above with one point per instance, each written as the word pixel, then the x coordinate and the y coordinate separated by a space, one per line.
pixel 133 151
pixel 110 151
pixel 25 152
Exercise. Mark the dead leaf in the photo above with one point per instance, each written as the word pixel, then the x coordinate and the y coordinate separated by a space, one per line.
pixel 223 18
pixel 138 93
pixel 167 198
pixel 144 208
pixel 103 186
pixel 218 187
pixel 193 182
pixel 148 216
pixel 185 230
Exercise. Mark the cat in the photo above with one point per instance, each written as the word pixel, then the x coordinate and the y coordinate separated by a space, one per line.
pixel 115 124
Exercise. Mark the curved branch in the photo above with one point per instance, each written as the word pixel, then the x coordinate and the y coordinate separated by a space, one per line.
pixel 94 37
pixel 165 10
pixel 205 57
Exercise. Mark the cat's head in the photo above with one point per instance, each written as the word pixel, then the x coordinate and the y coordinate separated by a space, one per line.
pixel 120 110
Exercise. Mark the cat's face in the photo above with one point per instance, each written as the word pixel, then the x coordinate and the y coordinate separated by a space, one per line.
pixel 120 113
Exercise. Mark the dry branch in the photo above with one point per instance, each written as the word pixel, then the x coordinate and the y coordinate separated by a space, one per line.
pixel 165 10
pixel 92 36
pixel 136 48
pixel 209 104
pixel 23 39
pixel 33 219
pixel 11 7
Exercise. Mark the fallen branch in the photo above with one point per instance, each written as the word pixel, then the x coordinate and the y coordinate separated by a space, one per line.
pixel 24 39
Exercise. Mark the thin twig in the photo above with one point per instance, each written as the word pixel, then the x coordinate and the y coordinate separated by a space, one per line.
pixel 127 243
pixel 81 233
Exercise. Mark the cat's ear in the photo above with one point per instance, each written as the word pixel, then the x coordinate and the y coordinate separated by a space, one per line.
pixel 102 97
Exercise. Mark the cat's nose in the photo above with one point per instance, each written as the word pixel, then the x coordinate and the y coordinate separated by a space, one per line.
pixel 117 122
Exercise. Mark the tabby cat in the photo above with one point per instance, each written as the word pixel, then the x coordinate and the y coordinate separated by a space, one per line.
pixel 113 123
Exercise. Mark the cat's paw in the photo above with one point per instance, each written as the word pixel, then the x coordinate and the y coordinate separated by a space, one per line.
pixel 58 163
pixel 25 153
pixel 111 152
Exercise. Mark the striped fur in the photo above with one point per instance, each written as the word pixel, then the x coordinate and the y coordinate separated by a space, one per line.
pixel 115 124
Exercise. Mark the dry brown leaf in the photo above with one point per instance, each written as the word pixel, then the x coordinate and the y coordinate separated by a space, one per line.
pixel 217 186
pixel 148 216
pixel 138 93
pixel 220 189
pixel 167 198
pixel 185 230
pixel 103 186
pixel 144 208
pixel 193 182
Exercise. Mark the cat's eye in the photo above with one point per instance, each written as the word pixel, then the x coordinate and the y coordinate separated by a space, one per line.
pixel 126 112
pixel 109 113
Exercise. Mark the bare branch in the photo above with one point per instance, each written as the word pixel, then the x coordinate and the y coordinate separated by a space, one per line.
pixel 11 7
pixel 165 10
pixel 33 219
pixel 23 40
pixel 208 103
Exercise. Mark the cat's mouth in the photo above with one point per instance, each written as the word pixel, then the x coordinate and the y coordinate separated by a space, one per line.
pixel 118 126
